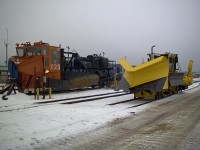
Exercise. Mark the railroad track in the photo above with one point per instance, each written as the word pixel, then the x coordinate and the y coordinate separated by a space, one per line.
pixel 73 100
pixel 141 102
pixel 94 98
pixel 82 99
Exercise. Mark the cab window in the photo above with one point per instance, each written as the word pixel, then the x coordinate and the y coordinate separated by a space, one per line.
pixel 46 51
pixel 46 62
pixel 36 51
pixel 55 57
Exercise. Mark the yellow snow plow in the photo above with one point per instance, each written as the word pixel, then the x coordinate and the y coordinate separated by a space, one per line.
pixel 160 76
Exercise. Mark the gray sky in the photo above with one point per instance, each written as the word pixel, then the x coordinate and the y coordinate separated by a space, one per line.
pixel 117 27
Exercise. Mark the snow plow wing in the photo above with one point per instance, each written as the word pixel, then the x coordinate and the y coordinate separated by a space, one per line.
pixel 188 79
pixel 152 75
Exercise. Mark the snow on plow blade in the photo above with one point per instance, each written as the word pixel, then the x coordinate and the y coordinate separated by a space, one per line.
pixel 152 75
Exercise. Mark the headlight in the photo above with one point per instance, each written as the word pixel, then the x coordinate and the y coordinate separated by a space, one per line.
pixel 46 71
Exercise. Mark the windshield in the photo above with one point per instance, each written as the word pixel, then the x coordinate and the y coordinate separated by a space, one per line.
pixel 33 51
pixel 20 52
pixel 30 51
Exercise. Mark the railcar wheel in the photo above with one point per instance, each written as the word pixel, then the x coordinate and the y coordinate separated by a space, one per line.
pixel 159 95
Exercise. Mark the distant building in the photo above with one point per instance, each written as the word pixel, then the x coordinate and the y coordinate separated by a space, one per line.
pixel 3 74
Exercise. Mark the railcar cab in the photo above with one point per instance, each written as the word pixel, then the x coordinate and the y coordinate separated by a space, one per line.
pixel 50 55
pixel 39 60
pixel 51 59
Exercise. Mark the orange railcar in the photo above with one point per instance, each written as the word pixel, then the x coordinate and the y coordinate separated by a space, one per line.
pixel 41 64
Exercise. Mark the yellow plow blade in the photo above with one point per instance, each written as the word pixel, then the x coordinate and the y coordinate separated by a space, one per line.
pixel 144 73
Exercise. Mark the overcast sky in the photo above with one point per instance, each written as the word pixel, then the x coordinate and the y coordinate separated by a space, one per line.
pixel 117 27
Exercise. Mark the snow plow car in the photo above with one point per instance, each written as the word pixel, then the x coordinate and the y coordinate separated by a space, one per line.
pixel 159 77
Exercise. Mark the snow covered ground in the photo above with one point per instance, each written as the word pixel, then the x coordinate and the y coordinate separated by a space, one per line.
pixel 24 124
pixel 196 80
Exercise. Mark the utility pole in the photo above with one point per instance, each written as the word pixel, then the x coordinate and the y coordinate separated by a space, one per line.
pixel 68 51
pixel 6 45
pixel 103 53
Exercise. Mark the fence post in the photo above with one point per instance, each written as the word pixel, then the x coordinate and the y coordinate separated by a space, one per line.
pixel 35 82
pixel 38 92
pixel 50 93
